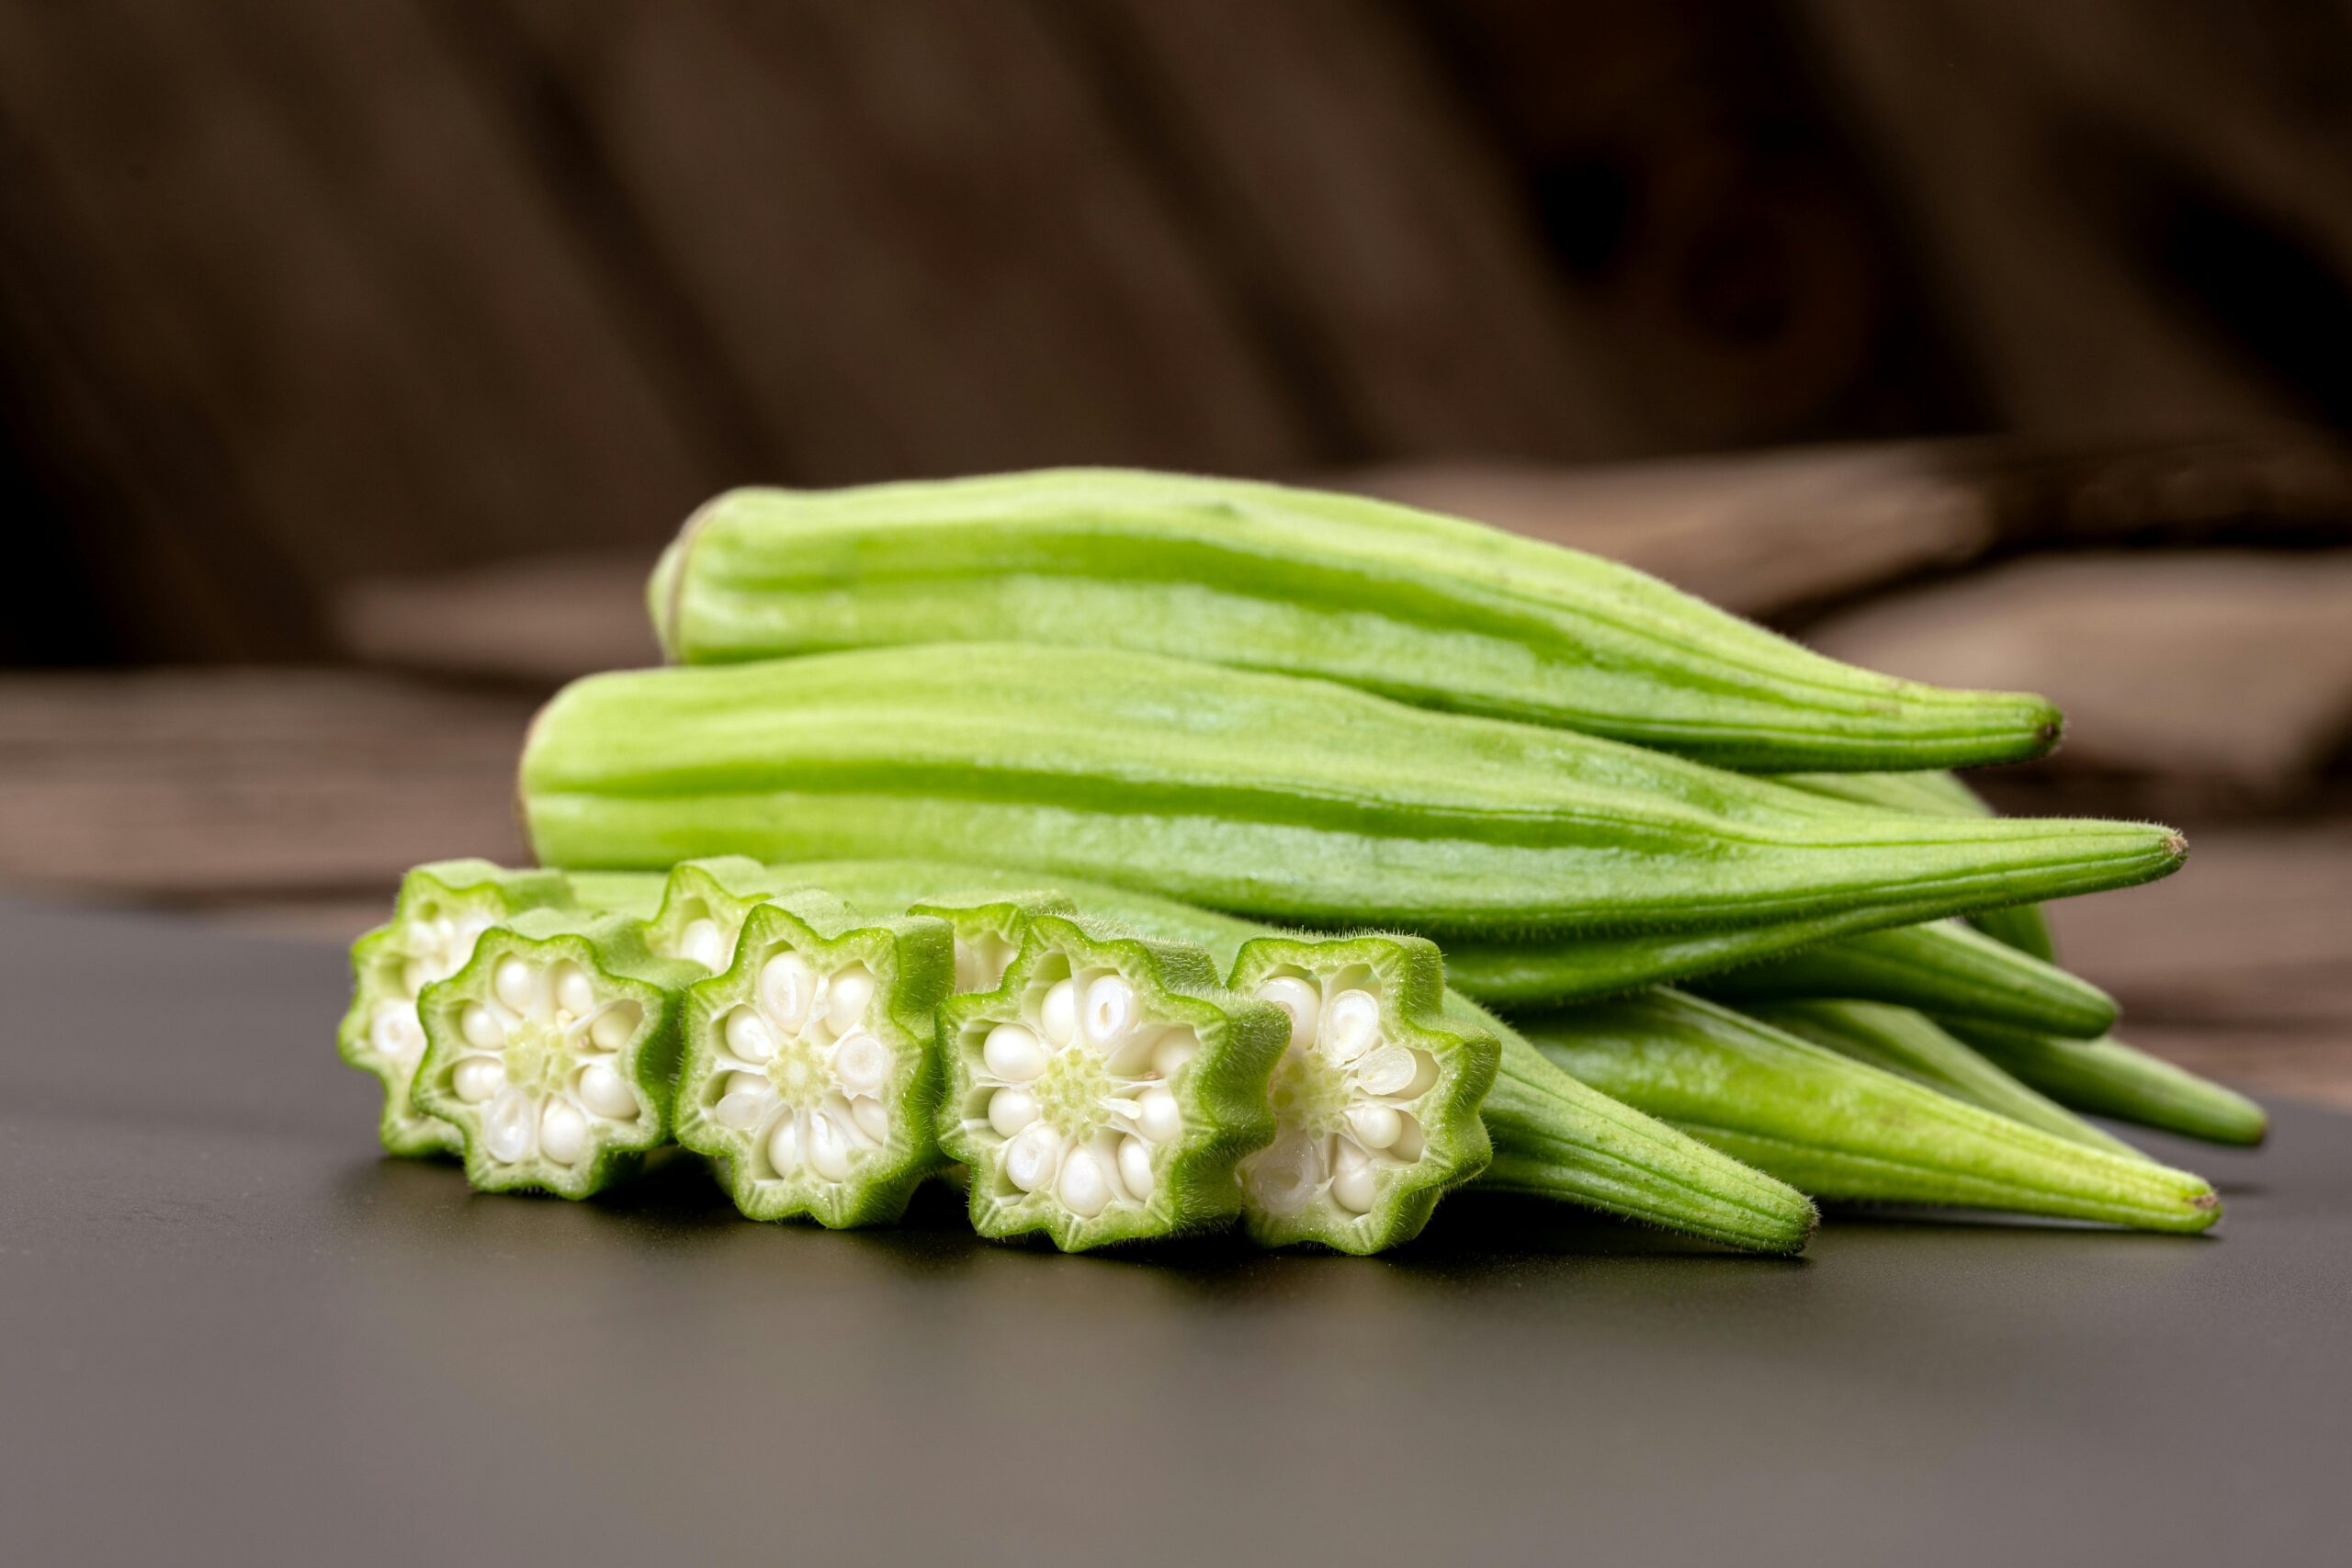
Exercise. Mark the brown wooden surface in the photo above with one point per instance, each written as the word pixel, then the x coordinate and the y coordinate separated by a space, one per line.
pixel 293 801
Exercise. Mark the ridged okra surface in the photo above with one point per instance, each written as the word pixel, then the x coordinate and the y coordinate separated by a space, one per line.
pixel 1107 1089
pixel 811 1070
pixel 1428 609
pixel 553 1052
pixel 1839 1128
pixel 1266 795
pixel 441 911
pixel 2108 1078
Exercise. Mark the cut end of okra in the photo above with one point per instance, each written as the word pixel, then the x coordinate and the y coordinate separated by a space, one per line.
pixel 703 906
pixel 989 930
pixel 1107 1089
pixel 442 911
pixel 1376 1098
pixel 811 1065
pixel 553 1065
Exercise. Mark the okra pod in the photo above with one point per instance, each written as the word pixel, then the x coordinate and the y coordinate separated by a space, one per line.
pixel 1550 1135
pixel 1943 967
pixel 1291 799
pixel 2021 926
pixel 553 1052
pixel 811 1070
pixel 1107 1090
pixel 441 911
pixel 1908 1044
pixel 2108 1078
pixel 1427 609
pixel 1839 1128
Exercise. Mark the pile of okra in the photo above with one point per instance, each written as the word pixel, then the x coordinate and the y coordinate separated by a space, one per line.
pixel 1145 854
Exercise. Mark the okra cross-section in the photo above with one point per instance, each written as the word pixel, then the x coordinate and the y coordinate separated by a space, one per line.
pixel 811 1065
pixel 1375 1097
pixel 442 911
pixel 1107 1089
pixel 552 1051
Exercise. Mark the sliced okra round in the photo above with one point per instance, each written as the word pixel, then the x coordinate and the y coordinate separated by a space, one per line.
pixel 811 1065
pixel 552 1052
pixel 705 904
pixel 442 911
pixel 989 929
pixel 1376 1098
pixel 1107 1090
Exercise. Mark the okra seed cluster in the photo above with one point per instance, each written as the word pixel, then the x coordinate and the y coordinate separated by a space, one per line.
pixel 437 945
pixel 1342 1095
pixel 1078 1091
pixel 541 1055
pixel 801 1073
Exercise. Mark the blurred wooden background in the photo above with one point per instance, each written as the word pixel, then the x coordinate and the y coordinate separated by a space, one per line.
pixel 355 358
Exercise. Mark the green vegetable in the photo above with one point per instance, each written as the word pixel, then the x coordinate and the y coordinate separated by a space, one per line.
pixel 1941 967
pixel 2106 1078
pixel 2021 926
pixel 811 1065
pixel 1838 1128
pixel 1902 1041
pixel 1107 1090
pixel 1288 798
pixel 442 910
pixel 1552 1136
pixel 553 1052
pixel 1427 609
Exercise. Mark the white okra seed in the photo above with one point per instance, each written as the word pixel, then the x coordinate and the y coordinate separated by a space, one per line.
pixel 563 1133
pixel 748 1036
pixel 1176 1047
pixel 481 1027
pixel 873 1119
pixel 1010 1110
pixel 784 1146
pixel 1301 1000
pixel 394 1032
pixel 828 1150
pixel 846 996
pixel 606 1093
pixel 614 1025
pixel 573 993
pixel 477 1078
pixel 1012 1053
pixel 702 942
pixel 741 1108
pixel 1110 1012
pixel 510 1127
pixel 787 989
pixel 1389 1070
pixel 1410 1140
pixel 1375 1126
pixel 1082 1187
pixel 1355 1183
pixel 1157 1116
pixel 1058 1015
pixel 1350 1025
pixel 862 1062
pixel 1135 1166
pixel 513 984
pixel 1030 1159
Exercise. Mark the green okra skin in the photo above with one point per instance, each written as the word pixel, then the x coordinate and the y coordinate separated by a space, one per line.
pixel 1841 1129
pixel 1427 609
pixel 1565 1141
pixel 1907 1043
pixel 811 1073
pixel 2021 926
pixel 2108 1078
pixel 442 910
pixel 1290 800
pixel 554 1052
pixel 636 894
pixel 1943 967
pixel 1107 1090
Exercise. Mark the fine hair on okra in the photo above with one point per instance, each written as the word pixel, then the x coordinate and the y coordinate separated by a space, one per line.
pixel 554 1052
pixel 1291 799
pixel 1839 1128
pixel 1550 1136
pixel 1424 608
pixel 442 910
pixel 811 1070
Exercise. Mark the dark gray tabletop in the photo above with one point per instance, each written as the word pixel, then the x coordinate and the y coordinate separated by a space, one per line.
pixel 228 1332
